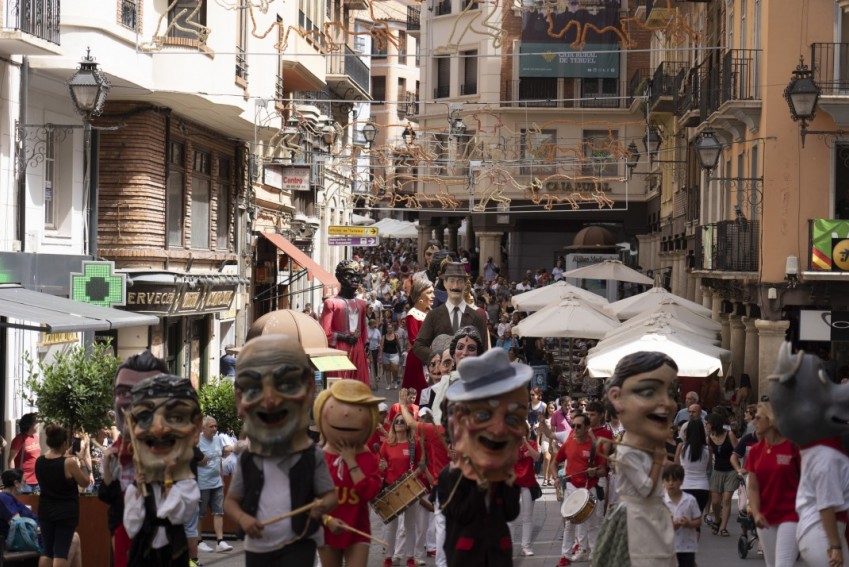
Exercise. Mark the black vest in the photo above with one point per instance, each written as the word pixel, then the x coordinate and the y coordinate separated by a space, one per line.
pixel 142 554
pixel 301 487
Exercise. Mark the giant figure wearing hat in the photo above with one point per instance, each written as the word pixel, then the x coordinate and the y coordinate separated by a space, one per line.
pixel 344 320
pixel 487 420
pixel 163 423
pixel 281 486
pixel 450 317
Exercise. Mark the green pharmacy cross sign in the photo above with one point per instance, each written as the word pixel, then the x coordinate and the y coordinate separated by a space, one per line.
pixel 99 285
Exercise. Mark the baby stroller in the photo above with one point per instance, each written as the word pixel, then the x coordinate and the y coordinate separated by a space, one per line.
pixel 749 537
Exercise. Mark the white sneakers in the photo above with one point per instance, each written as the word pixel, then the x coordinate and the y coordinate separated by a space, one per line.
pixel 527 552
pixel 582 555
pixel 220 548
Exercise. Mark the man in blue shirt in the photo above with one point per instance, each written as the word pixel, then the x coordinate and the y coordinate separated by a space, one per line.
pixel 210 482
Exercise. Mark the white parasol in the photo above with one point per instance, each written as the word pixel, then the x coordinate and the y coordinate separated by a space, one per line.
pixel 540 297
pixel 609 270
pixel 571 317
pixel 637 304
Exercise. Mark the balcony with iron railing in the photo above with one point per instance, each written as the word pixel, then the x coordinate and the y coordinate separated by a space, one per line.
pixel 604 99
pixel 401 103
pixel 442 91
pixel 663 86
pixel 733 80
pixel 530 92
pixel 830 68
pixel 689 94
pixel 468 89
pixel 319 99
pixel 412 104
pixel 414 14
pixel 345 69
pixel 38 19
pixel 728 246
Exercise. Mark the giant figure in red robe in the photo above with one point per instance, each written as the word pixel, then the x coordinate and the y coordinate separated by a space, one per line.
pixel 344 321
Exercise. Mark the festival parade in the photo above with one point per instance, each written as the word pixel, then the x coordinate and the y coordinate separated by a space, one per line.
pixel 424 283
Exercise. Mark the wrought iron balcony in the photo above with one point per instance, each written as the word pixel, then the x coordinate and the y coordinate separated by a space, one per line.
pixel 830 66
pixel 319 99
pixel 443 8
pixel 129 14
pixel 664 86
pixel 39 18
pixel 414 18
pixel 530 92
pixel 638 84
pixel 349 65
pixel 689 94
pixel 603 99
pixel 733 79
pixel 442 91
pixel 730 246
pixel 468 89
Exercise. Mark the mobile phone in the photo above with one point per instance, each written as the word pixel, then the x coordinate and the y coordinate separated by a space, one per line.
pixel 77 445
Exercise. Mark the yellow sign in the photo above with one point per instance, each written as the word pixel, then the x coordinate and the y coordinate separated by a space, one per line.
pixel 840 254
pixel 352 230
pixel 332 363
pixel 46 339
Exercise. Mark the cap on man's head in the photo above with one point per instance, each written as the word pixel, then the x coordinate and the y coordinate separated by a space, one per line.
pixel 453 270
pixel 382 407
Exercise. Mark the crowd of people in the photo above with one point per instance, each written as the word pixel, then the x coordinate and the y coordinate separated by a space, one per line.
pixel 462 430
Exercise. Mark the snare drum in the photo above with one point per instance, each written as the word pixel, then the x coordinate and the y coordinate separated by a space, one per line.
pixel 578 506
pixel 394 499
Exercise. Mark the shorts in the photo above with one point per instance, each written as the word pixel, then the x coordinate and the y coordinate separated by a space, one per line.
pixel 391 359
pixel 724 481
pixel 212 498
pixel 57 538
pixel 191 527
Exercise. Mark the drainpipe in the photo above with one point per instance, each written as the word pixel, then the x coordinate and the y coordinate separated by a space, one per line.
pixel 22 164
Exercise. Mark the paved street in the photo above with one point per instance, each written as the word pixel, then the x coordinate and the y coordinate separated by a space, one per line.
pixel 714 551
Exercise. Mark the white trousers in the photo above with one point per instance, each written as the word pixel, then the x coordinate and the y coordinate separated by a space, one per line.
pixel 813 545
pixel 584 533
pixel 405 547
pixel 439 525
pixel 779 544
pixel 423 516
pixel 525 519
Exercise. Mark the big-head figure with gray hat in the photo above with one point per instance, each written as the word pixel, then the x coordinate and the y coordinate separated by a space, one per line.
pixel 454 314
pixel 488 421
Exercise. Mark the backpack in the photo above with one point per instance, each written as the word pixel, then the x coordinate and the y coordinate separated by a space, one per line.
pixel 23 535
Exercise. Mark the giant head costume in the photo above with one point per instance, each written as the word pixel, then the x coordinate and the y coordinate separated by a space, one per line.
pixel 165 418
pixel 488 415
pixel 274 388
pixel 808 405
pixel 350 277
pixel 346 413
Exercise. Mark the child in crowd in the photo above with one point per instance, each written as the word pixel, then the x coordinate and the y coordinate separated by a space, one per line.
pixel 686 516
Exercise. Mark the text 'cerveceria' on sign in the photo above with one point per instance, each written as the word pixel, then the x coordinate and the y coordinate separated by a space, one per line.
pixel 352 230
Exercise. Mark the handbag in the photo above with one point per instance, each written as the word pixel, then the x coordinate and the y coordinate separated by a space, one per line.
pixel 536 492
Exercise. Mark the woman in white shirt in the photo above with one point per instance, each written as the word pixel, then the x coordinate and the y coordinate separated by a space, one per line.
pixel 695 456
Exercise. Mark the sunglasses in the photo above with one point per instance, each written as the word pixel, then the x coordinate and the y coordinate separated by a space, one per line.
pixel 577 426
pixel 399 422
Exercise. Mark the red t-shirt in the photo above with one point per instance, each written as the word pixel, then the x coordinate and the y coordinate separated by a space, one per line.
pixel 577 457
pixel 777 469
pixel 28 451
pixel 397 458
pixel 436 449
pixel 353 498
pixel 396 409
pixel 524 467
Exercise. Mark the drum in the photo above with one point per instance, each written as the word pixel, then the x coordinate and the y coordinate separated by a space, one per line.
pixel 394 499
pixel 578 506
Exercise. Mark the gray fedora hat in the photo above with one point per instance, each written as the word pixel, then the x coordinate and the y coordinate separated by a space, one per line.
pixel 487 375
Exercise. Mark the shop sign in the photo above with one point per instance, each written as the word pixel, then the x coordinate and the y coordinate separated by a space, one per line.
pixel 47 339
pixel 190 301
pixel 219 299
pixel 151 298
pixel 296 179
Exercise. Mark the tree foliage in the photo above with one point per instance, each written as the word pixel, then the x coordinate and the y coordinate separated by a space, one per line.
pixel 218 399
pixel 75 388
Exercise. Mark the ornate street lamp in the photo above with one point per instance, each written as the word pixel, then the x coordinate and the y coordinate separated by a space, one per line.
pixel 89 88
pixel 408 135
pixel 802 94
pixel 369 133
pixel 458 128
pixel 635 156
pixel 708 150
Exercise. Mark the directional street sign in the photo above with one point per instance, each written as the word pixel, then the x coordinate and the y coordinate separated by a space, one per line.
pixel 352 240
pixel 353 231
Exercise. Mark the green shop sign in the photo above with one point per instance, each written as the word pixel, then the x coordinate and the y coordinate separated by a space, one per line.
pixel 560 60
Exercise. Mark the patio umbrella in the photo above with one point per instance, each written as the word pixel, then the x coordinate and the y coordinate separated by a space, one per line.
pixel 540 297
pixel 651 320
pixel 625 333
pixel 636 304
pixel 669 308
pixel 609 270
pixel 696 360
pixel 571 317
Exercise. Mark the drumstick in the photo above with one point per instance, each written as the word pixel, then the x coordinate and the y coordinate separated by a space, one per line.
pixel 128 418
pixel 327 517
pixel 295 512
